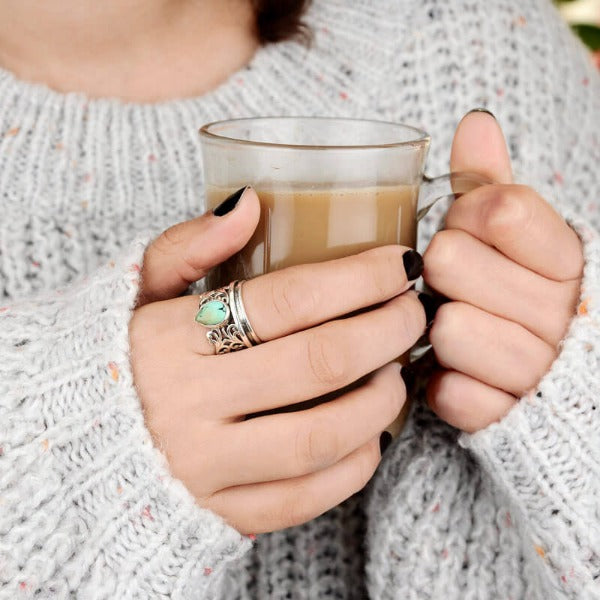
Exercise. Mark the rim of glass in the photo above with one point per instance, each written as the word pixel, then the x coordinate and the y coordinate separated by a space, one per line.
pixel 421 136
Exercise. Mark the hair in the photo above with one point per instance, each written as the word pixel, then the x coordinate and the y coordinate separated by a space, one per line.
pixel 279 20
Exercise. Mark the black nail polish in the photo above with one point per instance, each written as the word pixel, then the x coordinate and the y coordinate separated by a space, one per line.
pixel 431 305
pixel 229 203
pixel 408 375
pixel 483 110
pixel 385 439
pixel 413 264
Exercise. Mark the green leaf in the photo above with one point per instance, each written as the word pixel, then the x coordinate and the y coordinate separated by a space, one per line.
pixel 590 35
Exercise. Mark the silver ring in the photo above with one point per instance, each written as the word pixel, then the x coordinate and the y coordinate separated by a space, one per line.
pixel 222 312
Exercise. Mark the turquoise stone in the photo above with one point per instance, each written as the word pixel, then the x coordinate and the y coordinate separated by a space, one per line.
pixel 213 313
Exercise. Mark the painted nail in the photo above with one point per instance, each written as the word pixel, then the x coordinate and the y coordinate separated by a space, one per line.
pixel 431 305
pixel 413 264
pixel 229 203
pixel 408 375
pixel 385 439
pixel 483 110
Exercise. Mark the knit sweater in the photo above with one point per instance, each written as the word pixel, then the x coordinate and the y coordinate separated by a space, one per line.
pixel 88 508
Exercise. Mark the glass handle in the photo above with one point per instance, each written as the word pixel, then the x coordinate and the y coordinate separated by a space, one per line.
pixel 447 187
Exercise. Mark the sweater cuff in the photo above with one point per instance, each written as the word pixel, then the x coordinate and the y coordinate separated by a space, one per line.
pixel 545 454
pixel 86 497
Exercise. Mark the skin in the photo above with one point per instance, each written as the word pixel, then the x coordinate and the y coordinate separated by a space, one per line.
pixel 136 50
pixel 273 471
pixel 515 294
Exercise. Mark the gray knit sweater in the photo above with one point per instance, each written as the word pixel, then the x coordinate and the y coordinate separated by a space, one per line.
pixel 88 508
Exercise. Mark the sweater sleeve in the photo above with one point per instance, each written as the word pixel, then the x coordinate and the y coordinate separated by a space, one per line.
pixel 522 520
pixel 88 508
pixel 545 454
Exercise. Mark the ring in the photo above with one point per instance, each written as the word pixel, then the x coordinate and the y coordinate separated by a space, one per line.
pixel 222 312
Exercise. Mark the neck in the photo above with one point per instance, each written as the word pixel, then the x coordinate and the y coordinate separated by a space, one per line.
pixel 136 50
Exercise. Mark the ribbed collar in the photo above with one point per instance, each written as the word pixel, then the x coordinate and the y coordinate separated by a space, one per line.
pixel 334 26
pixel 118 156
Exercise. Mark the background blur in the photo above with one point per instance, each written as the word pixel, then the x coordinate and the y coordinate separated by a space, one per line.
pixel 584 17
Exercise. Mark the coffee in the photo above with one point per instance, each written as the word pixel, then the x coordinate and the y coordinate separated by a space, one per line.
pixel 302 224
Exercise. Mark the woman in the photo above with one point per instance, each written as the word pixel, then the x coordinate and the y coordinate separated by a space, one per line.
pixel 127 470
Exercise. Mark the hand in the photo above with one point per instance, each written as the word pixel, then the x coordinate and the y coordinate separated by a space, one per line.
pixel 279 470
pixel 512 268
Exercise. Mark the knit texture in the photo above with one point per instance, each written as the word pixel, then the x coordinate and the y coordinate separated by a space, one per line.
pixel 88 508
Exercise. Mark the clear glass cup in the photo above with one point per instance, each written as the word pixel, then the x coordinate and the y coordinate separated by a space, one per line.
pixel 328 188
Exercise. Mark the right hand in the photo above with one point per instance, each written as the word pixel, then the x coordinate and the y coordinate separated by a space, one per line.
pixel 278 470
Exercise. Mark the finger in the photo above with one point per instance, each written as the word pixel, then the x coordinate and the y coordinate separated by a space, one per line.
pixel 479 147
pixel 185 252
pixel 496 284
pixel 289 445
pixel 466 403
pixel 275 505
pixel 300 297
pixel 310 363
pixel 523 226
pixel 297 298
pixel 493 350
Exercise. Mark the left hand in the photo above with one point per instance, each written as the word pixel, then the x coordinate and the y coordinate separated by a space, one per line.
pixel 512 268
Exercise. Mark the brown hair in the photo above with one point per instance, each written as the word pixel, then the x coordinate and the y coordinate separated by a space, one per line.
pixel 278 20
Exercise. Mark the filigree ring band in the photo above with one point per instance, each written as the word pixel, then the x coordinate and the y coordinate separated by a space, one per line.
pixel 222 312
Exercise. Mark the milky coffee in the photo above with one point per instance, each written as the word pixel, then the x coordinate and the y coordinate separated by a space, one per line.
pixel 307 225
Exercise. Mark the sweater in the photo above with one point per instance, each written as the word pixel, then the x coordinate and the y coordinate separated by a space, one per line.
pixel 88 507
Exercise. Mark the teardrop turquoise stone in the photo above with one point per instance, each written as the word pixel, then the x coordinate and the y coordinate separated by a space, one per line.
pixel 213 313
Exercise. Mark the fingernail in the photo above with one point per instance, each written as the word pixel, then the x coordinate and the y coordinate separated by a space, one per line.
pixel 385 439
pixel 483 110
pixel 229 203
pixel 413 264
pixel 408 375
pixel 431 305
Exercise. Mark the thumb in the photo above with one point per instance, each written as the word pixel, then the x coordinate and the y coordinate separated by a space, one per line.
pixel 479 147
pixel 185 252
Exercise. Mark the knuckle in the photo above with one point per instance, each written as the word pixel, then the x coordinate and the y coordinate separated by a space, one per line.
pixel 293 300
pixel 510 212
pixel 366 464
pixel 441 393
pixel 391 393
pixel 173 244
pixel 448 321
pixel 384 275
pixel 317 446
pixel 169 239
pixel 442 252
pixel 296 507
pixel 407 328
pixel 326 360
pixel 396 397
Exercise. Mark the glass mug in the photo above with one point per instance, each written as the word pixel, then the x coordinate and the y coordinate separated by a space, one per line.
pixel 328 188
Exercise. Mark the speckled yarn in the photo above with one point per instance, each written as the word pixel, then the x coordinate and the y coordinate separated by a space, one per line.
pixel 88 508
